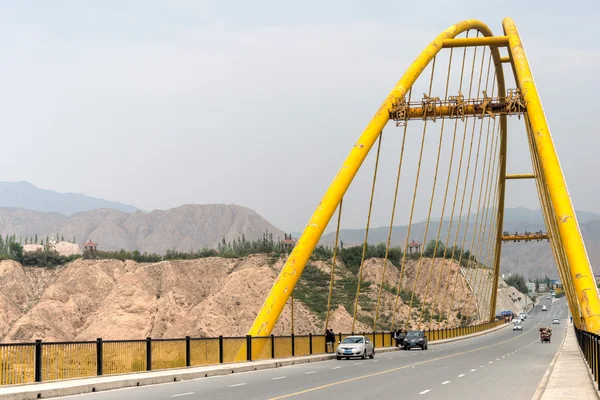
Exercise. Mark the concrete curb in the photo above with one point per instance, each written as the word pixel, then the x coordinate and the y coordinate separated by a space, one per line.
pixel 544 383
pixel 97 384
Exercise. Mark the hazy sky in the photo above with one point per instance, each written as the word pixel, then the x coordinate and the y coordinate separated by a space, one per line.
pixel 257 103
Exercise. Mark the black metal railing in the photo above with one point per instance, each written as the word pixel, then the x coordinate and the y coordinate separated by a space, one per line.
pixel 49 361
pixel 589 343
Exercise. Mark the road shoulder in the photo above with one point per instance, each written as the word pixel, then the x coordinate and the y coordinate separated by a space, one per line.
pixel 568 375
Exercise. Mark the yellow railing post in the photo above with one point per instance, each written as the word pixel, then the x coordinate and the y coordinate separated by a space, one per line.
pixel 568 229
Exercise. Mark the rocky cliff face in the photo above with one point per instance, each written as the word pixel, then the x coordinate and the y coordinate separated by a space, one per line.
pixel 112 299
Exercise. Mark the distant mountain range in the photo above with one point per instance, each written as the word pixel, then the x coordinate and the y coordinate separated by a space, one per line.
pixel 27 210
pixel 530 259
pixel 25 195
pixel 185 228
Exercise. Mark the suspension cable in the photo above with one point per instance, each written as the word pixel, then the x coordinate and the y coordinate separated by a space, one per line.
pixel 473 251
pixel 420 319
pixel 412 209
pixel 489 244
pixel 335 250
pixel 435 175
pixel 364 251
pixel 462 70
pixel 458 179
pixel 551 223
pixel 462 245
pixel 389 238
pixel 481 254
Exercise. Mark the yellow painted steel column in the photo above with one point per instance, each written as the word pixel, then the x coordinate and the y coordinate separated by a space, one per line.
pixel 291 271
pixel 568 229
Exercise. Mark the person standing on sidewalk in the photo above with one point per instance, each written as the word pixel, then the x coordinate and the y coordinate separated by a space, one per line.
pixel 330 340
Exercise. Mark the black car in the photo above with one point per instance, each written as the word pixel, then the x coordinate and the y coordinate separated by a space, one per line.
pixel 415 339
pixel 399 338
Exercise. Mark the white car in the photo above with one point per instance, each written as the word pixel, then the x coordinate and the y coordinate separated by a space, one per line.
pixel 517 326
pixel 522 316
pixel 556 321
pixel 544 308
pixel 355 346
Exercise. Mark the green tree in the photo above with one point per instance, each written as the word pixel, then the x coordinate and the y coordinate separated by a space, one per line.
pixel 430 247
pixel 16 251
pixel 36 239
pixel 518 282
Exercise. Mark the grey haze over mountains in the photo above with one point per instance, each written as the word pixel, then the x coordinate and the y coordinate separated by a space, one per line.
pixel 26 195
pixel 185 228
pixel 531 259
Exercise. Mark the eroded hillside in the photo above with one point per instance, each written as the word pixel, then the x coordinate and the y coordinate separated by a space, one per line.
pixel 115 299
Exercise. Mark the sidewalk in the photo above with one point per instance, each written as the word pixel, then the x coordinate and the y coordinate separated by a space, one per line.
pixel 71 387
pixel 568 376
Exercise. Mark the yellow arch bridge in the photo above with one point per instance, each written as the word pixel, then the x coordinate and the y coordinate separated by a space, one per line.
pixel 463 91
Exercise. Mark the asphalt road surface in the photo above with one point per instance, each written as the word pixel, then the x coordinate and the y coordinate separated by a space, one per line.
pixel 504 364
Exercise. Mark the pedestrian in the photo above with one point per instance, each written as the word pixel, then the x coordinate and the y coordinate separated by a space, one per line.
pixel 329 339
pixel 571 320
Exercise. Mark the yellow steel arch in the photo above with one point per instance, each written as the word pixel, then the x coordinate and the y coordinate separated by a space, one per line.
pixel 579 274
pixel 578 264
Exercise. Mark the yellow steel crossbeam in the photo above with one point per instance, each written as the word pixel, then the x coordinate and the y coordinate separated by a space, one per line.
pixel 476 41
pixel 524 237
pixel 580 271
pixel 469 110
pixel 520 176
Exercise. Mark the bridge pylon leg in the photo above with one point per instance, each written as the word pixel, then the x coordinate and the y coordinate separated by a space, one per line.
pixel 580 271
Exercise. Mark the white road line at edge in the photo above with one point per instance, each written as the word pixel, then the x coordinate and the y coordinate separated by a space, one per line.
pixel 182 394
pixel 309 372
pixel 336 367
pixel 278 377
pixel 237 384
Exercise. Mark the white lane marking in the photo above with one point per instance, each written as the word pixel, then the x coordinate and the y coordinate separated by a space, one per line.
pixel 278 377
pixel 481 366
pixel 425 391
pixel 336 367
pixel 474 369
pixel 445 382
pixel 503 356
pixel 237 384
pixel 461 375
pixel 497 359
pixel 309 372
pixel 357 363
pixel 391 358
pixel 182 394
pixel 491 362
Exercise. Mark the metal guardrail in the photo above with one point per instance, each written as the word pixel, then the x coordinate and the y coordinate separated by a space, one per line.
pixel 590 347
pixel 22 363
